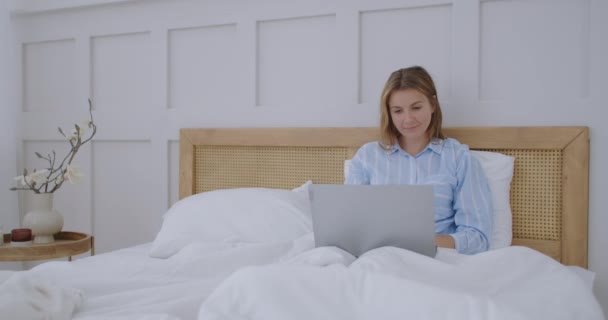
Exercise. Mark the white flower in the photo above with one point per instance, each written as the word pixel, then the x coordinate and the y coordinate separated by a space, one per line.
pixel 38 176
pixel 73 174
pixel 23 180
pixel 34 177
pixel 59 179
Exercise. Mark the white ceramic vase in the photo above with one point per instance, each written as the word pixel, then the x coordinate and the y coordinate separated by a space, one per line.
pixel 42 218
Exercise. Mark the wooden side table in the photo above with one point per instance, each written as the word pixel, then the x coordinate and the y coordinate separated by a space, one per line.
pixel 67 244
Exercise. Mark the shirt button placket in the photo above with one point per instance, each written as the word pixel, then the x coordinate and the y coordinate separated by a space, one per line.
pixel 413 170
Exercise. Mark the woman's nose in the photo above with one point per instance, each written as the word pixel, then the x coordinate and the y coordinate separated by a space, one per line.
pixel 407 116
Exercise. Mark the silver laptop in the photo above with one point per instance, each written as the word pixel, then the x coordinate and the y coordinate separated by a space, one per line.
pixel 358 218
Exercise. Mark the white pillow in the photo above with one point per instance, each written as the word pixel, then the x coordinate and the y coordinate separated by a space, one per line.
pixel 499 172
pixel 234 215
pixel 498 168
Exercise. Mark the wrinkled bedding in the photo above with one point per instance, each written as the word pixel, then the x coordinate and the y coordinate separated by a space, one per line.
pixel 23 296
pixel 391 283
pixel 128 284
pixel 293 280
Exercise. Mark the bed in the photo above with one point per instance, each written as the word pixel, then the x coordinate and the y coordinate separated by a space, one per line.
pixel 237 245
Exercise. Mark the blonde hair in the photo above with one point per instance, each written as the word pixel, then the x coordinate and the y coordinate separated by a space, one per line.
pixel 416 78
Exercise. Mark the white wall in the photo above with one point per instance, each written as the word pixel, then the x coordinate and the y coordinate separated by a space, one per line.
pixel 9 109
pixel 153 67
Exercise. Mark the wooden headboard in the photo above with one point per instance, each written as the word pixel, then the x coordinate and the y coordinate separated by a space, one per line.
pixel 549 191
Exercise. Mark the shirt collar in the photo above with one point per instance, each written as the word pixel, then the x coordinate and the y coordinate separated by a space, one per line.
pixel 436 145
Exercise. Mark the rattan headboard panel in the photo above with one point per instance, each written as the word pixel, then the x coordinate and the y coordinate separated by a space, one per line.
pixel 221 167
pixel 536 193
pixel 536 186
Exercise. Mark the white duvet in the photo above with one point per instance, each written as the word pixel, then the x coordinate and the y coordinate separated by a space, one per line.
pixel 128 284
pixel 291 280
pixel 391 283
pixel 23 296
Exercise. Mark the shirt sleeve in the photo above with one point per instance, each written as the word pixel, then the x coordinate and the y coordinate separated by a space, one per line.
pixel 356 171
pixel 473 207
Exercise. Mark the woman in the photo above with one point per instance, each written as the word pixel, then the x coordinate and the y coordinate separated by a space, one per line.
pixel 414 150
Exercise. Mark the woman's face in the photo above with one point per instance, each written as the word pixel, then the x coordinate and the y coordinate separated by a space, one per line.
pixel 411 113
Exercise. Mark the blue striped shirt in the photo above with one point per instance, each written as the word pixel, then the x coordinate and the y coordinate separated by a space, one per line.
pixel 463 202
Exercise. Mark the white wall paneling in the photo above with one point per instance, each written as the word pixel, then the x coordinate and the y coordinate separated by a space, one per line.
pixel 49 75
pixel 154 67
pixel 594 115
pixel 9 124
pixel 125 204
pixel 397 38
pixel 41 6
pixel 297 62
pixel 173 168
pixel 464 59
pixel 204 69
pixel 121 67
pixel 553 53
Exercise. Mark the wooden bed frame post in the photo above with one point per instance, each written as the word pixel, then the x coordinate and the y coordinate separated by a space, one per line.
pixel 186 165
pixel 575 214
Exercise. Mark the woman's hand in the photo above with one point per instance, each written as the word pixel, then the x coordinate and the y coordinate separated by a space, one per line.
pixel 445 241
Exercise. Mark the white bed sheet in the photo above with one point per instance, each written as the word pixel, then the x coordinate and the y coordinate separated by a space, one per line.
pixel 127 284
pixel 293 280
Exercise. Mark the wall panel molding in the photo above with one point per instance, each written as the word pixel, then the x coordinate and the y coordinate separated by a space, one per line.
pixel 31 7
pixel 300 51
pixel 386 46
pixel 121 65
pixel 42 63
pixel 517 59
pixel 202 62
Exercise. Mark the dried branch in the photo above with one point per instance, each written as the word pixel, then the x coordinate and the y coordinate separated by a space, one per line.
pixel 51 179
